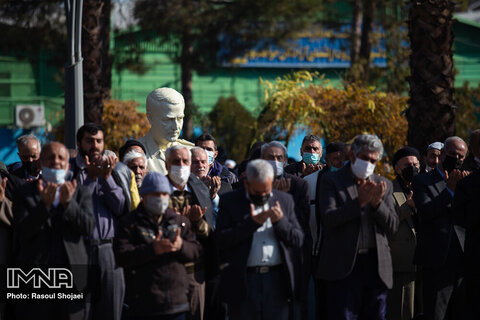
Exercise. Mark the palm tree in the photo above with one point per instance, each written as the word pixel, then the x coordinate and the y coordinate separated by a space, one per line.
pixel 431 114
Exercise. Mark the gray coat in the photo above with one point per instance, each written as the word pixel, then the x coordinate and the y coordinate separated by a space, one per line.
pixel 340 212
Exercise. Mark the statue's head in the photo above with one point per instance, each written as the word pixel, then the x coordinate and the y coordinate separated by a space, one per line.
pixel 165 108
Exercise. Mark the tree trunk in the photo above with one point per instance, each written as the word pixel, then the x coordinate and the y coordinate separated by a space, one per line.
pixel 356 34
pixel 187 76
pixel 431 115
pixel 97 64
pixel 366 38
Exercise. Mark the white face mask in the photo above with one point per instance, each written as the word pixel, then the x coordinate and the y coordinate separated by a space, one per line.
pixel 362 169
pixel 277 167
pixel 56 176
pixel 156 206
pixel 179 174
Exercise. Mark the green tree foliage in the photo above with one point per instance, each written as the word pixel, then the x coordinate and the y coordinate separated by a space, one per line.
pixel 233 127
pixel 122 121
pixel 198 26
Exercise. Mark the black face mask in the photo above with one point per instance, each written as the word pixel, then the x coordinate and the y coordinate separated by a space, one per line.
pixel 409 173
pixel 259 200
pixel 451 163
pixel 31 167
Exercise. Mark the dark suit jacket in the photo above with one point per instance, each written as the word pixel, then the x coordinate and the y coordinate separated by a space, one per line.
pixel 234 235
pixel 438 227
pixel 202 196
pixel 33 229
pixel 341 221
pixel 299 191
pixel 466 205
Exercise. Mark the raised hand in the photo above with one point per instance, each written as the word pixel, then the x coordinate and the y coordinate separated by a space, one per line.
pixel 196 212
pixel 410 201
pixel 213 184
pixel 261 217
pixel 161 246
pixel 276 212
pixel 452 178
pixel 66 192
pixel 94 168
pixel 177 244
pixel 47 192
pixel 378 191
pixel 364 192
pixel 3 187
pixel 310 168
pixel 107 166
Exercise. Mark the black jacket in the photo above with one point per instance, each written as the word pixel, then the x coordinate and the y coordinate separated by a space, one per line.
pixel 437 227
pixel 466 206
pixel 155 284
pixel 234 235
pixel 34 231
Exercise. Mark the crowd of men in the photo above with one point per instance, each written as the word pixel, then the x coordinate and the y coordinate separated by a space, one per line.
pixel 165 230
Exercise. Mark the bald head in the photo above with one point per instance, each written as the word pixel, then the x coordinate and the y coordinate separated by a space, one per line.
pixel 54 155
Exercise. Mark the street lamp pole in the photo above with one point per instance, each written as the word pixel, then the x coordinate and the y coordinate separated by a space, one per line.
pixel 73 72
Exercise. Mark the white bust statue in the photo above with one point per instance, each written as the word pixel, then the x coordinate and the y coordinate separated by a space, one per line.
pixel 165 112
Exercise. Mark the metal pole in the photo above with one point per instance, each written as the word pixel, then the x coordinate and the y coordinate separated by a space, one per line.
pixel 73 73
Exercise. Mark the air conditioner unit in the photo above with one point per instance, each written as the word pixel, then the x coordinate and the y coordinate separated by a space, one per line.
pixel 27 116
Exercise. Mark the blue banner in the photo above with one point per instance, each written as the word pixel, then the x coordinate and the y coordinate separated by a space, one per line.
pixel 320 48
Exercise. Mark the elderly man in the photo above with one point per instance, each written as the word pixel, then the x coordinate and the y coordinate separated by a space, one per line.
pixel 216 169
pixel 131 145
pixel 441 234
pixel 191 198
pixel 357 213
pixel 200 168
pixel 52 217
pixel 165 107
pixel 152 244
pixel 431 158
pixel 400 300
pixel 137 162
pixel 260 242
pixel 276 154
pixel 311 152
pixel 29 152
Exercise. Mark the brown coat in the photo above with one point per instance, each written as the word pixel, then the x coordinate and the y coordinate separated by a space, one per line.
pixel 403 242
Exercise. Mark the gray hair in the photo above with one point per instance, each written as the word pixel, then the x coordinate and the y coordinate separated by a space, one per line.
pixel 132 154
pixel 452 139
pixel 196 150
pixel 168 152
pixel 369 142
pixel 259 170
pixel 275 144
pixel 26 138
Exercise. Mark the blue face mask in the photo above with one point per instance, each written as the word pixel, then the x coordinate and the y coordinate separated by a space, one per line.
pixel 210 156
pixel 333 169
pixel 56 176
pixel 311 158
